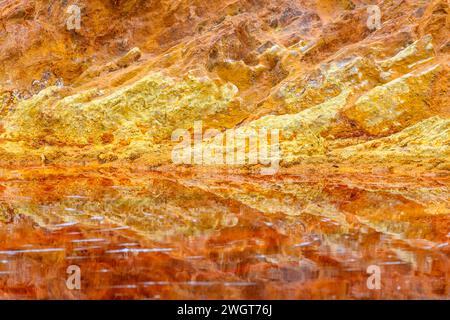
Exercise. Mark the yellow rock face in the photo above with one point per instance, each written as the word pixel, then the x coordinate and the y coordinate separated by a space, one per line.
pixel 152 107
pixel 319 78
pixel 395 105
pixel 426 140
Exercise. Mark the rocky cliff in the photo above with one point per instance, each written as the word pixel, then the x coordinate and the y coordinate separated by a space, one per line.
pixel 342 93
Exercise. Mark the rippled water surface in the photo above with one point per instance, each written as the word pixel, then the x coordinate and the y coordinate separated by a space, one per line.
pixel 212 236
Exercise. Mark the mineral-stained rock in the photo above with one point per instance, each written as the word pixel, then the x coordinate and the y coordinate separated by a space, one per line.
pixel 426 141
pixel 150 109
pixel 395 105
pixel 115 91
pixel 419 52
pixel 301 135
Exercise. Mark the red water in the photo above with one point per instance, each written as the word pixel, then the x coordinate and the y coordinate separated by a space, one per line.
pixel 186 236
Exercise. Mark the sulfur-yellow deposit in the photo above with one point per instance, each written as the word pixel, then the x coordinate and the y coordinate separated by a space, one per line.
pixel 112 92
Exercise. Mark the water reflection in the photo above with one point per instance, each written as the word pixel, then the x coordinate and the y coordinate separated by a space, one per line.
pixel 172 235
